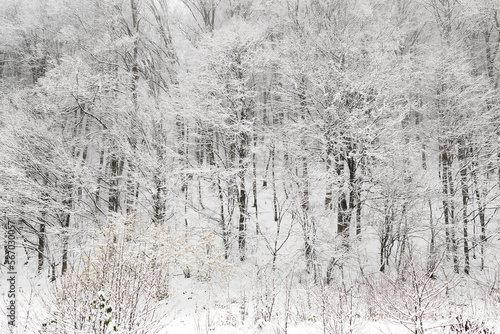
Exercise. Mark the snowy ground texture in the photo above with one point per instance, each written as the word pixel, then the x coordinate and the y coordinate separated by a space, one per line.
pixel 196 307
pixel 254 296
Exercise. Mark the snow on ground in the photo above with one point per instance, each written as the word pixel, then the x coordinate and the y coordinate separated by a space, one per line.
pixel 255 290
pixel 208 307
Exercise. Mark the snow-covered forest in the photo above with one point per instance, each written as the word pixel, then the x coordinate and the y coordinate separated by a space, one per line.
pixel 239 166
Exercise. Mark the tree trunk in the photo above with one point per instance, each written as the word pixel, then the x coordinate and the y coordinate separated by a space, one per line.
pixel 387 238
pixel 273 180
pixel 343 207
pixel 462 156
pixel 242 202
pixel 116 170
pixel 353 192
pixel 158 201
pixel 357 194
pixel 452 220
pixel 329 184
pixel 448 206
pixel 41 244
pixel 432 244
pixel 225 234
pixel 481 209
pixel 68 205
pixel 308 228
pixel 65 241
pixel 242 195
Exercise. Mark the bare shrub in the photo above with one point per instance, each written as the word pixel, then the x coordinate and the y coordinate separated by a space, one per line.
pixel 339 301
pixel 467 326
pixel 116 286
pixel 409 296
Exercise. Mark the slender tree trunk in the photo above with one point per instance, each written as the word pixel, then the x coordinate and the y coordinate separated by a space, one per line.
pixel 135 54
pixel 307 225
pixel 41 245
pixel 116 170
pixel 448 206
pixel 462 156
pixel 242 196
pixel 68 205
pixel 432 244
pixel 273 180
pixel 242 201
pixel 353 192
pixel 329 184
pixel 357 199
pixel 254 182
pixel 450 195
pixel 99 188
pixel 132 184
pixel 65 242
pixel 481 210
pixel 343 207
pixel 418 121
pixel 158 201
pixel 402 238
pixel 386 239
pixel 443 172
pixel 482 236
pixel 305 186
pixel 225 234
pixel 452 220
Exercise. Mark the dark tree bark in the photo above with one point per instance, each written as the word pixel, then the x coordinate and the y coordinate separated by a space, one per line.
pixel 329 170
pixel 41 245
pixel 387 237
pixel 254 181
pixel 65 237
pixel 242 228
pixel 448 191
pixel 242 193
pixel 273 180
pixel 479 198
pixel 431 266
pixel 116 170
pixel 343 203
pixel 462 156
pixel 223 223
